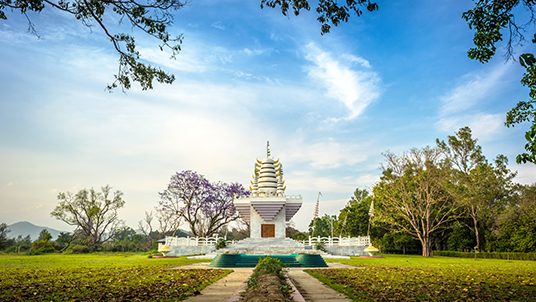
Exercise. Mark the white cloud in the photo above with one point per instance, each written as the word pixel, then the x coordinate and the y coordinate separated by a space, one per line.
pixel 483 125
pixel 355 88
pixel 256 51
pixel 326 154
pixel 185 61
pixel 473 89
pixel 218 25
pixel 526 173
pixel 462 105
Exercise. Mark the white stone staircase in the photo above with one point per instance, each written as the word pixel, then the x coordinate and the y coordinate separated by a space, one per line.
pixel 267 246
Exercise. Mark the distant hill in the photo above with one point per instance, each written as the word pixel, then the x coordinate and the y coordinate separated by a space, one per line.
pixel 25 228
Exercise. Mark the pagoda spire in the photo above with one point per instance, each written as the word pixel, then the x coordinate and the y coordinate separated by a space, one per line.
pixel 317 205
pixel 268 152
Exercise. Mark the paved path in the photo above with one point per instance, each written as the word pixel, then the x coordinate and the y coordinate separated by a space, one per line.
pixel 313 290
pixel 226 289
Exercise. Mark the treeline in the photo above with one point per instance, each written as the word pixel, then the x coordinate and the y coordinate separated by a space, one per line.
pixel 446 197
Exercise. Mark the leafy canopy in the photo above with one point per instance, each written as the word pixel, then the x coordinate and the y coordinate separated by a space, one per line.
pixel 150 17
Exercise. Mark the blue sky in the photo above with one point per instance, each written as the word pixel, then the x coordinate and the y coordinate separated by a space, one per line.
pixel 330 105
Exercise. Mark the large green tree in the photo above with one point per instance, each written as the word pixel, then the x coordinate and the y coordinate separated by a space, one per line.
pixel 353 219
pixel 516 231
pixel 412 196
pixel 93 213
pixel 323 226
pixel 478 187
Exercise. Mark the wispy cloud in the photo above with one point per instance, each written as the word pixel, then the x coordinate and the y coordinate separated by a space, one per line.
pixel 463 104
pixel 348 79
pixel 484 126
pixel 473 89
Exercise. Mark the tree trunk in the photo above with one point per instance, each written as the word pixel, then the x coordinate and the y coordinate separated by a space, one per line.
pixel 477 235
pixel 426 246
pixel 475 224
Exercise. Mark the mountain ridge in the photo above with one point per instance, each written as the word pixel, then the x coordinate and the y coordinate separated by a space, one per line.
pixel 25 228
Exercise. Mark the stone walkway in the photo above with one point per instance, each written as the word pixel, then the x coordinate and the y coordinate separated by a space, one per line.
pixel 225 289
pixel 313 290
pixel 228 289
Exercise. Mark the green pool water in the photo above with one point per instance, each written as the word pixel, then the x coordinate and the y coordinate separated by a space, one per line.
pixel 250 260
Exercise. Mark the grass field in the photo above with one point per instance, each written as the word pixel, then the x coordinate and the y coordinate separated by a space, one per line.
pixel 414 278
pixel 99 277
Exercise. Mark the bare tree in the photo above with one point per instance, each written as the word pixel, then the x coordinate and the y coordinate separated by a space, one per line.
pixel 91 212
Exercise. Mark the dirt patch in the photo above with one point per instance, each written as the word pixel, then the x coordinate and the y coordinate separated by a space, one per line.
pixel 268 289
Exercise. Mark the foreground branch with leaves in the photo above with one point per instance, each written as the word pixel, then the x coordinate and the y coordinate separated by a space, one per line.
pixel 150 17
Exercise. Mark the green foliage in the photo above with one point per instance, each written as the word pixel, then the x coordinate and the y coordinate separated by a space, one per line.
pixel 45 235
pixel 354 217
pixel 412 197
pixel 78 249
pixel 397 278
pixel 330 13
pixel 220 244
pixel 151 18
pixel 490 19
pixel 479 188
pixel 397 242
pixel 323 226
pixel 296 234
pixel 93 213
pixel 267 266
pixel 3 236
pixel 488 255
pixel 460 238
pixel 516 230
pixel 99 277
pixel 42 247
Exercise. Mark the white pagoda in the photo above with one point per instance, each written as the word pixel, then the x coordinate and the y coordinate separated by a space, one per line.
pixel 267 209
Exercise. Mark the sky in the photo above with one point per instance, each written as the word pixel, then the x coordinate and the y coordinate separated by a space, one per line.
pixel 330 105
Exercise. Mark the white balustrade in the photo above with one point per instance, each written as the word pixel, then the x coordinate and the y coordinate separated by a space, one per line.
pixel 194 241
pixel 339 241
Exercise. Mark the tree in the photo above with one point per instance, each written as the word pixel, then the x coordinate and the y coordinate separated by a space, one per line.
pixel 45 235
pixel 411 195
pixel 477 186
pixel 205 206
pixel 354 218
pixel 3 235
pixel 93 213
pixel 330 13
pixel 43 243
pixel 516 230
pixel 489 18
pixel 150 17
pixel 323 226
pixel 63 241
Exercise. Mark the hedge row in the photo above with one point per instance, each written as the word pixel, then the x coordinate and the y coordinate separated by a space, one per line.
pixel 488 255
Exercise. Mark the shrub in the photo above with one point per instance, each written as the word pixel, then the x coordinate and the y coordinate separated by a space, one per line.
pixel 220 243
pixel 77 249
pixel 488 255
pixel 267 283
pixel 42 247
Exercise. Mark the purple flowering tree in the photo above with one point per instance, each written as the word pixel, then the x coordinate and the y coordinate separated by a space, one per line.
pixel 205 206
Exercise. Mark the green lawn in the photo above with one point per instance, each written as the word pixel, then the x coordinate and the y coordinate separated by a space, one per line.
pixel 414 278
pixel 104 277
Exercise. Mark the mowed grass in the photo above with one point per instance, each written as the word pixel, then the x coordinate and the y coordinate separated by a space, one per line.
pixel 414 278
pixel 100 277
